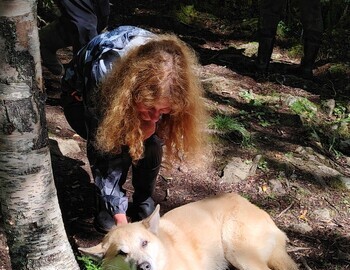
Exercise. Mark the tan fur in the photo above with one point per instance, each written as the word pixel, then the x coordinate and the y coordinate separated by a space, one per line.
pixel 206 235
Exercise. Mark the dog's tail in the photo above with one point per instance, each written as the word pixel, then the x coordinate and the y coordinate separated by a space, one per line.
pixel 280 260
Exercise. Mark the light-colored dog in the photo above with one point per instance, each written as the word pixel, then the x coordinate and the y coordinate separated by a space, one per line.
pixel 210 234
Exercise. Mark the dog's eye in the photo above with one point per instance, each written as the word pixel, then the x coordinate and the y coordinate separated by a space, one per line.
pixel 144 243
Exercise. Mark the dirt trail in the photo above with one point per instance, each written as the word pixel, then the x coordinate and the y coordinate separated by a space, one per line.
pixel 289 173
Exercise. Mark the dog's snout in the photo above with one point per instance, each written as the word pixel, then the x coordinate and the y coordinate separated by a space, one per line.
pixel 144 266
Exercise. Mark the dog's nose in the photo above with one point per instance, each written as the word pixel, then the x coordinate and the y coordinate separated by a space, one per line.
pixel 144 266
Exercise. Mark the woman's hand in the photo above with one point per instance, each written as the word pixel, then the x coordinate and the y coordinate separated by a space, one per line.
pixel 120 219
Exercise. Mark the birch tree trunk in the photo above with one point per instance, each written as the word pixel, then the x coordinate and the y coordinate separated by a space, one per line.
pixel 32 218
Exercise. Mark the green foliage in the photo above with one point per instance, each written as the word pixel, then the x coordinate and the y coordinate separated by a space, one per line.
pixel 283 30
pixel 227 124
pixel 249 97
pixel 48 3
pixel 263 165
pixel 342 121
pixel 289 154
pixel 264 119
pixel 338 69
pixel 89 264
pixel 329 132
pixel 296 51
pixel 340 126
pixel 339 111
pixel 304 108
pixel 118 263
pixel 337 183
pixel 186 14
pixel 223 123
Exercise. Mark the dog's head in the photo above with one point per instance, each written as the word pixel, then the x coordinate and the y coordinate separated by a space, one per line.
pixel 135 245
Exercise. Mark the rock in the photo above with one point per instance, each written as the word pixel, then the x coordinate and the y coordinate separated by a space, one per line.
pixel 347 160
pixel 238 170
pixel 345 181
pixel 277 187
pixel 68 146
pixel 328 106
pixel 316 165
pixel 301 227
pixel 254 165
pixel 323 215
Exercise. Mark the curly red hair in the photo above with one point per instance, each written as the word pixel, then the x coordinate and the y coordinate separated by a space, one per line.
pixel 164 67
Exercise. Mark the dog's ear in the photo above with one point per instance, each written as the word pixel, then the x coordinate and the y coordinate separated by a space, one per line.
pixel 152 222
pixel 96 252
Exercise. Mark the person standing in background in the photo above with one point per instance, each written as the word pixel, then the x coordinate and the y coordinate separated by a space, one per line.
pixel 311 18
pixel 80 21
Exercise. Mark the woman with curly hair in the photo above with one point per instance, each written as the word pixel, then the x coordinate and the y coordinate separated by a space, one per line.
pixel 131 93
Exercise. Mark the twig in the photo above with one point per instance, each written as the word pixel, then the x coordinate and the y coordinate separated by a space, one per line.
pixel 165 179
pixel 294 249
pixel 333 88
pixel 211 79
pixel 167 194
pixel 307 267
pixel 282 81
pixel 332 205
pixel 41 20
pixel 285 210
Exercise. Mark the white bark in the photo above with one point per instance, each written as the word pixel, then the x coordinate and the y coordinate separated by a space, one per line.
pixel 32 217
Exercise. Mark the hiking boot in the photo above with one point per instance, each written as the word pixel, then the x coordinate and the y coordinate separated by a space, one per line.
pixel 264 56
pixel 307 62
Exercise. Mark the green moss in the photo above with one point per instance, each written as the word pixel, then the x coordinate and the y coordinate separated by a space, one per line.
pixel 339 69
pixel 336 183
pixel 304 108
pixel 295 51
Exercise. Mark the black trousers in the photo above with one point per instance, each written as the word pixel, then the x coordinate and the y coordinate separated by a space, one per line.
pixel 82 20
pixel 311 18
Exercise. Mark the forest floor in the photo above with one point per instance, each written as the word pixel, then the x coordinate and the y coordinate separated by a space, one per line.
pixel 284 160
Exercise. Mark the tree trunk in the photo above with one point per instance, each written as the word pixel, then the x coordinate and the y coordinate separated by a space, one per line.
pixel 32 218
